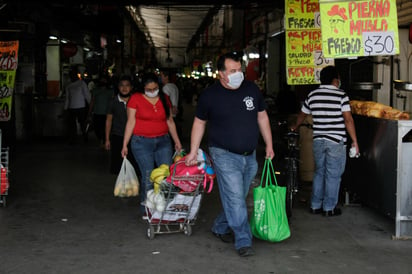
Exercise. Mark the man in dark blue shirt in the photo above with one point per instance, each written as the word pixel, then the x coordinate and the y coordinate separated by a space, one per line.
pixel 116 119
pixel 235 110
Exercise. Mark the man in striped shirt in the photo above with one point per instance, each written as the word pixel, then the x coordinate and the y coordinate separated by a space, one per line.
pixel 332 119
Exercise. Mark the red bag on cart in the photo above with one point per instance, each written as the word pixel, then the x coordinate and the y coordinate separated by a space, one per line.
pixel 180 169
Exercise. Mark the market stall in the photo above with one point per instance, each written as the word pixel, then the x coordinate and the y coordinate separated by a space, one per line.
pixel 382 176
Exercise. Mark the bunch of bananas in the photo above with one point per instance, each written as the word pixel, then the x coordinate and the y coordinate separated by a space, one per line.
pixel 158 175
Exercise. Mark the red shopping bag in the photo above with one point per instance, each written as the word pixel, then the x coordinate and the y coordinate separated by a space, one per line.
pixel 181 170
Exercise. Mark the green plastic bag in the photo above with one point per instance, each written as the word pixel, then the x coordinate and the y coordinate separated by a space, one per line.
pixel 269 221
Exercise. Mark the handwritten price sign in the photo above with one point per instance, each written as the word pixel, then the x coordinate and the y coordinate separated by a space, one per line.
pixel 378 43
pixel 359 28
pixel 321 60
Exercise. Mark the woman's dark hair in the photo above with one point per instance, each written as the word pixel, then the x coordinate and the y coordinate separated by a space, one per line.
pixel 234 55
pixel 151 77
pixel 327 74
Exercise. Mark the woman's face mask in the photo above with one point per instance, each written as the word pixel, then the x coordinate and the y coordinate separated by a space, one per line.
pixel 235 79
pixel 151 94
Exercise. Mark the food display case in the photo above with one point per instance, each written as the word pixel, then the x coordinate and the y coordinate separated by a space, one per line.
pixel 381 177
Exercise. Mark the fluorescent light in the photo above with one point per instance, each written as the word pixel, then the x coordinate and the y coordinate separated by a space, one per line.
pixel 53 37
pixel 254 55
pixel 277 33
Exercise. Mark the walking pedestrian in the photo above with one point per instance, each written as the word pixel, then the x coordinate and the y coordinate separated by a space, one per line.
pixel 235 112
pixel 331 113
pixel 77 98
pixel 149 123
pixel 116 119
pixel 171 90
pixel 102 95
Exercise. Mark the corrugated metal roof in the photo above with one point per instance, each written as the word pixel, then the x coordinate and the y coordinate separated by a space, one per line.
pixel 170 28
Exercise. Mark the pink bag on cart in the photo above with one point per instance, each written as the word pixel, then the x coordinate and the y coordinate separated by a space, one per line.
pixel 180 169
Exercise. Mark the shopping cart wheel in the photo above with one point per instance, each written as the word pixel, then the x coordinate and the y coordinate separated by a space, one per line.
pixel 187 230
pixel 150 232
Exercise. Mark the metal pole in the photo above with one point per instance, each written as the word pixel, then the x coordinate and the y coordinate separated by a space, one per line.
pixel 391 84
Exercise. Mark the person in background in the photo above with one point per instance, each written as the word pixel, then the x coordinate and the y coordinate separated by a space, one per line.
pixel 92 84
pixel 330 109
pixel 149 123
pixel 171 90
pixel 235 111
pixel 102 94
pixel 116 119
pixel 77 96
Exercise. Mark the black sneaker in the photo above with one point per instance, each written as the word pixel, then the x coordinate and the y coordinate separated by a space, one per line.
pixel 334 212
pixel 246 251
pixel 316 211
pixel 226 238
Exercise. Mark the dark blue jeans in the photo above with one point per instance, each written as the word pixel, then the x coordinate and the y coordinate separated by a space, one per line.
pixel 234 174
pixel 330 159
pixel 150 153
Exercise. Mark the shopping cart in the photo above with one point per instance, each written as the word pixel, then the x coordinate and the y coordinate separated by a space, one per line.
pixel 180 211
pixel 4 175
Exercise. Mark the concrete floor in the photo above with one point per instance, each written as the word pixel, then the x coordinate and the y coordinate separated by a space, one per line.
pixel 61 217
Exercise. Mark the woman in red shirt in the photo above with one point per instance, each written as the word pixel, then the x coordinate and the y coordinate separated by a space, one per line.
pixel 149 123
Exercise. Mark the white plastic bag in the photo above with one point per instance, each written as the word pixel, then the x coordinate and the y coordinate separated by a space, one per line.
pixel 181 207
pixel 127 183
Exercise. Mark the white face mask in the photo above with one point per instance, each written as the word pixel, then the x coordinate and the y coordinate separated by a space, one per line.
pixel 235 79
pixel 152 94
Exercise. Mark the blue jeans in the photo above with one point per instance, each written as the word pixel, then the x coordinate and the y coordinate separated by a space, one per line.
pixel 234 174
pixel 150 153
pixel 330 159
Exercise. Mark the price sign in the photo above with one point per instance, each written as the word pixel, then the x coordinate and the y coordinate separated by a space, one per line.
pixel 7 78
pixel 320 59
pixel 304 50
pixel 359 28
pixel 378 43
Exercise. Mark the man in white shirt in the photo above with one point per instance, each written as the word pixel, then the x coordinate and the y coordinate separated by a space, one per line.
pixel 171 90
pixel 77 95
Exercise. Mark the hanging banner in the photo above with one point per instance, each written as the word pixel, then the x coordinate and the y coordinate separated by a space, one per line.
pixel 304 56
pixel 8 65
pixel 359 28
pixel 9 55
pixel 7 80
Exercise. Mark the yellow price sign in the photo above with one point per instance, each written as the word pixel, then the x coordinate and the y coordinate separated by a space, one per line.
pixel 359 28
